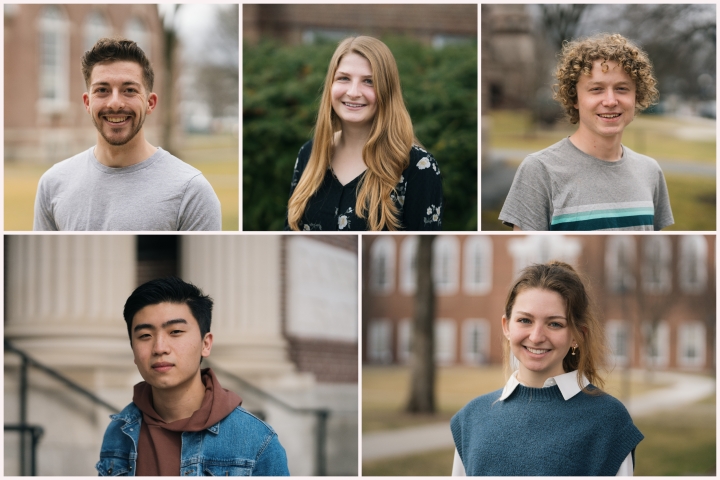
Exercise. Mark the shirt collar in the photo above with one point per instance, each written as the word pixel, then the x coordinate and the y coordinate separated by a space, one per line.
pixel 567 383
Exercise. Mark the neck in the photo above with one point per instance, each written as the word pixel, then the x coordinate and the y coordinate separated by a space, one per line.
pixel 353 136
pixel 181 401
pixel 116 156
pixel 608 149
pixel 534 379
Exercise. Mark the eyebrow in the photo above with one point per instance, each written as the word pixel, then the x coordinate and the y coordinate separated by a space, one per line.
pixel 143 326
pixel 533 316
pixel 95 84
pixel 349 74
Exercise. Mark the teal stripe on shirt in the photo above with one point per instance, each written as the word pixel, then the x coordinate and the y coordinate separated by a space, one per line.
pixel 594 214
pixel 605 223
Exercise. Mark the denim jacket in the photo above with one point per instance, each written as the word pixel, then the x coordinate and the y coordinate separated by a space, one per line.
pixel 238 445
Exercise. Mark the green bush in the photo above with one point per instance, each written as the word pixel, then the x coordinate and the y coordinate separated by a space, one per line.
pixel 281 92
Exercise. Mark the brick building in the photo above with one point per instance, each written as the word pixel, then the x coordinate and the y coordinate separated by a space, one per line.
pixel 45 120
pixel 301 23
pixel 654 294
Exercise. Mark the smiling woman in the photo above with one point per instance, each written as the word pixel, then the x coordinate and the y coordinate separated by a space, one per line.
pixel 551 403
pixel 364 168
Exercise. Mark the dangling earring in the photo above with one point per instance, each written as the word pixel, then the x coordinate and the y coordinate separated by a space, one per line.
pixel 573 349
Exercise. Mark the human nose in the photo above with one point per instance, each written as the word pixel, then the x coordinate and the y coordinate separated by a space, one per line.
pixel 537 334
pixel 115 102
pixel 161 345
pixel 353 89
pixel 610 100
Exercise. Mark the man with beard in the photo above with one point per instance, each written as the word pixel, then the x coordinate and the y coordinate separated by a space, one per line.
pixel 123 182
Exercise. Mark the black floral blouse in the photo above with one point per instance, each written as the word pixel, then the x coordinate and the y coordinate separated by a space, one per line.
pixel 418 196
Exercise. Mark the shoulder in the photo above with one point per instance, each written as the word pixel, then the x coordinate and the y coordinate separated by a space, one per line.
pixel 556 153
pixel 131 413
pixel 240 420
pixel 171 163
pixel 479 404
pixel 643 160
pixel 66 169
pixel 421 162
pixel 605 405
pixel 303 156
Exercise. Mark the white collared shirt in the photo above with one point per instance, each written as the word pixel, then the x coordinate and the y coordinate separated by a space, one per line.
pixel 568 385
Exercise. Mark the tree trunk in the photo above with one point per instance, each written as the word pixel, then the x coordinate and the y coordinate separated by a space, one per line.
pixel 422 390
pixel 169 103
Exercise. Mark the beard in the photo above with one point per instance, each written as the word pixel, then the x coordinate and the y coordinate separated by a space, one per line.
pixel 117 140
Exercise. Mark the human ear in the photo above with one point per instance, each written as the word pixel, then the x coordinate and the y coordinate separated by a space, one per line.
pixel 506 329
pixel 207 344
pixel 151 103
pixel 86 101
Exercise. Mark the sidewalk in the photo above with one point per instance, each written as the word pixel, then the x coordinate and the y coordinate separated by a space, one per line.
pixel 683 389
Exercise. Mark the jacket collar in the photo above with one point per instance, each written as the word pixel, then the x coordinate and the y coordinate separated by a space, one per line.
pixel 132 414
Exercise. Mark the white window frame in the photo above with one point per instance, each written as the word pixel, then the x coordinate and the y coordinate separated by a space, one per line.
pixel 693 257
pixel 445 332
pixel 137 31
pixel 477 249
pixel 54 61
pixel 96 26
pixel 379 339
pixel 382 247
pixel 408 259
pixel 692 334
pixel 612 329
pixel 619 270
pixel 446 264
pixel 661 343
pixel 482 355
pixel 404 340
pixel 656 266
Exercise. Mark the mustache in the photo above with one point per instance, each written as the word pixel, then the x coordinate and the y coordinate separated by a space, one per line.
pixel 121 113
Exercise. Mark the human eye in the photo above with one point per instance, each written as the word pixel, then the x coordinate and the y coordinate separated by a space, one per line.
pixel 523 320
pixel 556 325
pixel 143 336
pixel 369 81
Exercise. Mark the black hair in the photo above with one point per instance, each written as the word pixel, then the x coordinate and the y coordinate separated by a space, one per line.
pixel 171 290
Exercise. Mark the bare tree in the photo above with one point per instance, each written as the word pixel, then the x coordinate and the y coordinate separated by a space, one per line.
pixel 561 22
pixel 170 46
pixel 422 389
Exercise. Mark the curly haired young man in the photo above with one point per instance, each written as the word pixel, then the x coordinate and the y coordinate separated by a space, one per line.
pixel 590 181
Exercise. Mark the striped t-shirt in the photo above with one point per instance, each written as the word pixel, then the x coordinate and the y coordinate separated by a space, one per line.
pixel 562 188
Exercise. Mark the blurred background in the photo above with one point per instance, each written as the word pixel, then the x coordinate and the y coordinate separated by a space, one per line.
pixel 519 116
pixel 427 351
pixel 285 325
pixel 286 52
pixel 194 52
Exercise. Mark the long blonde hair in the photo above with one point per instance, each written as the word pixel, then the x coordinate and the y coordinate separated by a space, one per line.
pixel 387 151
pixel 583 323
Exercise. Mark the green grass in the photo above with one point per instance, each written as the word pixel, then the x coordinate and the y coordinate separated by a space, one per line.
pixel 215 155
pixel 436 464
pixel 693 202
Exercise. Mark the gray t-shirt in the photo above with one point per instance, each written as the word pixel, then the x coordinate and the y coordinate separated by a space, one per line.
pixel 563 188
pixel 160 193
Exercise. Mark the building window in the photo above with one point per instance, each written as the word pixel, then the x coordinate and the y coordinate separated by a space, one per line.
pixel 404 340
pixel 692 267
pixel 477 265
pixel 657 351
pixel 382 265
pixel 618 335
pixel 691 345
pixel 476 341
pixel 54 44
pixel 541 249
pixel 379 348
pixel 408 265
pixel 445 264
pixel 445 340
pixel 96 27
pixel 620 263
pixel 657 258
pixel 135 30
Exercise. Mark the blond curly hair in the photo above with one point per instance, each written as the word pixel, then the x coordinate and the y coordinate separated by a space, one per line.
pixel 577 59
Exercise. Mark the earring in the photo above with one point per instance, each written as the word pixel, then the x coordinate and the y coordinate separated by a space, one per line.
pixel 573 349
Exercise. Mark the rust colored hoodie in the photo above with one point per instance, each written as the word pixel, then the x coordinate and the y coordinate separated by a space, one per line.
pixel 160 443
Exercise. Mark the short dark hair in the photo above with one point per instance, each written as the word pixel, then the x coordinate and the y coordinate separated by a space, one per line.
pixel 171 290
pixel 108 50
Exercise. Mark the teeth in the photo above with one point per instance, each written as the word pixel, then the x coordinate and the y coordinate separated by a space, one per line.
pixel 353 104
pixel 532 350
pixel 610 115
pixel 115 119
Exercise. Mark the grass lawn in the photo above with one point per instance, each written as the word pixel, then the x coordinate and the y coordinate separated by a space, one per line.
pixel 215 155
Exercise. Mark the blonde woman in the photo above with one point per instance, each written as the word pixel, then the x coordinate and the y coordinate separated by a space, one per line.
pixel 364 169
pixel 551 418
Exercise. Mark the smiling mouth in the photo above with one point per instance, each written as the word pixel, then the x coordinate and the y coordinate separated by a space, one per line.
pixel 353 105
pixel 608 115
pixel 536 351
pixel 116 119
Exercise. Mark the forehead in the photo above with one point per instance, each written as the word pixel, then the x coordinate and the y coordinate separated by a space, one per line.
pixel 119 71
pixel 539 300
pixel 607 71
pixel 156 315
pixel 354 63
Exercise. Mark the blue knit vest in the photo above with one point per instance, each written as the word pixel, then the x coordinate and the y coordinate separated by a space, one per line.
pixel 535 431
